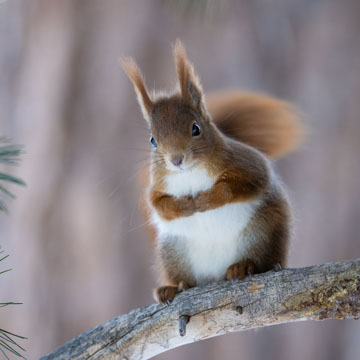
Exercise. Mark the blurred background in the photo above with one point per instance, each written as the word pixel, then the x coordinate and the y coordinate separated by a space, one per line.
pixel 76 236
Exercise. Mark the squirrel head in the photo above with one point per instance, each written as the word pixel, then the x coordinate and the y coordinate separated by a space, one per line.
pixel 182 133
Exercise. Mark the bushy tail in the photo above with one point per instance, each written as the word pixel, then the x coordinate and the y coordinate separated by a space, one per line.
pixel 270 125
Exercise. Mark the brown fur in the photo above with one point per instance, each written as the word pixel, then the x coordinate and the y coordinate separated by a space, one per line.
pixel 240 270
pixel 190 88
pixel 270 125
pixel 135 75
pixel 171 208
pixel 164 294
pixel 248 123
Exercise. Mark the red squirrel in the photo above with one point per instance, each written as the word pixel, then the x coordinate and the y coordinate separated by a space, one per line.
pixel 218 208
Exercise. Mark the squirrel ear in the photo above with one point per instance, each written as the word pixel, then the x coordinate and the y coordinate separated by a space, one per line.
pixel 189 83
pixel 135 75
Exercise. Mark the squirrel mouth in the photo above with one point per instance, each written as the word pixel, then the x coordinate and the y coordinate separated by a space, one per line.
pixel 182 167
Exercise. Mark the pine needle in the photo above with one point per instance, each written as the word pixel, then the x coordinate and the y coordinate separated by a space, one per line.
pixel 7 342
pixel 9 155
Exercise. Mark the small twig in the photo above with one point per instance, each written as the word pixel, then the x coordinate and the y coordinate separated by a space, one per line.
pixel 183 320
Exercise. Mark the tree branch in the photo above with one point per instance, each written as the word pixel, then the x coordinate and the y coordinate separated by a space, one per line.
pixel 329 291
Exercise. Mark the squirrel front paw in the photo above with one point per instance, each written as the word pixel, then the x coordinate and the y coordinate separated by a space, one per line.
pixel 240 270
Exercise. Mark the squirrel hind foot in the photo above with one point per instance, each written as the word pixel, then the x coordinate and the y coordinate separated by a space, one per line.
pixel 165 294
pixel 240 270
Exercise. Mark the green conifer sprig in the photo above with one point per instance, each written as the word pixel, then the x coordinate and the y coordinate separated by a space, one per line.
pixel 8 339
pixel 9 155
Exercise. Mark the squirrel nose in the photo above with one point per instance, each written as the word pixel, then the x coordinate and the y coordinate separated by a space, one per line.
pixel 177 161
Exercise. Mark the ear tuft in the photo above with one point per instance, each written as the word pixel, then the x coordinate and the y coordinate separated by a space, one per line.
pixel 133 72
pixel 189 84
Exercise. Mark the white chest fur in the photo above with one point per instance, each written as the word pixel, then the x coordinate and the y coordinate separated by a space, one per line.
pixel 211 240
pixel 189 182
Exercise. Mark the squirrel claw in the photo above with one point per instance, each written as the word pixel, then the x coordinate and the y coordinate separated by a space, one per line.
pixel 182 286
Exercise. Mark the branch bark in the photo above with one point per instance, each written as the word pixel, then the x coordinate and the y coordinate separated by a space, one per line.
pixel 329 291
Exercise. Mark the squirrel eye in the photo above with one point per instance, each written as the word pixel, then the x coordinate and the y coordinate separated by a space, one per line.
pixel 153 142
pixel 195 129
